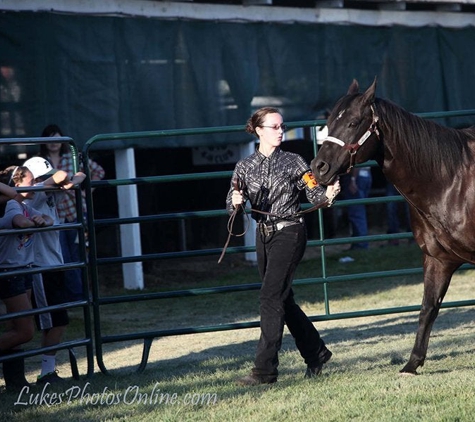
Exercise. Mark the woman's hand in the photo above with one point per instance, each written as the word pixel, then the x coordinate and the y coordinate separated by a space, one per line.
pixel 38 220
pixel 237 198
pixel 333 190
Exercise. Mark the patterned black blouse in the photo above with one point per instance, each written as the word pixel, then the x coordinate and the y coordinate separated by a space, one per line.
pixel 272 184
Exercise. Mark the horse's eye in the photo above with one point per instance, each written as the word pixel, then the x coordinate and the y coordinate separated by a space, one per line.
pixel 353 124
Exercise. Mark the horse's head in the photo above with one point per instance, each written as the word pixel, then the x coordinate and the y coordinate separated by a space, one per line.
pixel 352 135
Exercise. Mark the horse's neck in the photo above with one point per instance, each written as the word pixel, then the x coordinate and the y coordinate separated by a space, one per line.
pixel 396 169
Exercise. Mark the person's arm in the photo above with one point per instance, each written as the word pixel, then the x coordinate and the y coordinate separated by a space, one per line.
pixel 305 179
pixel 315 193
pixel 6 193
pixel 22 222
pixel 78 178
pixel 36 218
pixel 60 178
pixel 97 172
pixel 19 221
pixel 235 196
pixel 42 220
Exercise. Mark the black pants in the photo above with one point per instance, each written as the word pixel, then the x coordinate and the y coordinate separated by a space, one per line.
pixel 277 257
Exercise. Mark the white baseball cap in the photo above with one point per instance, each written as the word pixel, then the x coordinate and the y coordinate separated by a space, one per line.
pixel 39 167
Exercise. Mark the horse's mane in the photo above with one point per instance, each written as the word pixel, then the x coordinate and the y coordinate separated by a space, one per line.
pixel 432 149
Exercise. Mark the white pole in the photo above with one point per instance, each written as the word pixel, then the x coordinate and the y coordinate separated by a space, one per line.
pixel 128 207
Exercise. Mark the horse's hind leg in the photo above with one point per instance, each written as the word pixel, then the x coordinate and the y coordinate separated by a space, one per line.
pixel 437 276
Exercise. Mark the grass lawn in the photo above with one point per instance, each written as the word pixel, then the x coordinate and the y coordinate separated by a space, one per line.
pixel 191 377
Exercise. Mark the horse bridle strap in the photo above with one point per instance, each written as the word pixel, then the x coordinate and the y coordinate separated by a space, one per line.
pixel 353 148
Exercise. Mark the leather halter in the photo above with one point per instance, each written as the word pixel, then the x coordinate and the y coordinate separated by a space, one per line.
pixel 353 148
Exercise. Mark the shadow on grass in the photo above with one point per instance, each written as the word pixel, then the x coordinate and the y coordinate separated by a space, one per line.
pixel 214 369
pixel 240 356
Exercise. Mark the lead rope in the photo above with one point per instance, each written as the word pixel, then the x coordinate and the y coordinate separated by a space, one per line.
pixel 232 217
pixel 230 229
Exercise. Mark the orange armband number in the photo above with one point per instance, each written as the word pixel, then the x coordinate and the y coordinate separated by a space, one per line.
pixel 310 180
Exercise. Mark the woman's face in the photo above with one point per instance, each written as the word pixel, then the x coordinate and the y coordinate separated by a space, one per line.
pixel 271 131
pixel 54 147
pixel 27 181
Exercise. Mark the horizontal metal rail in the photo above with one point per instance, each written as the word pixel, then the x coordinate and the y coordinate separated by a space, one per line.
pixel 93 328
pixel 325 280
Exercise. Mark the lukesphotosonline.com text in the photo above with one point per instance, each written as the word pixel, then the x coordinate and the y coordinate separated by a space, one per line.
pixel 131 395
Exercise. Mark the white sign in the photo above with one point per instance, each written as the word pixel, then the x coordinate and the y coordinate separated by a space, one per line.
pixel 212 155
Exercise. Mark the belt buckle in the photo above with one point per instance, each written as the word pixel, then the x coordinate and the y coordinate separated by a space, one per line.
pixel 264 229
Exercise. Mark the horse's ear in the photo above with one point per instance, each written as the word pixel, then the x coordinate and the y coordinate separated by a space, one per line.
pixel 368 96
pixel 354 88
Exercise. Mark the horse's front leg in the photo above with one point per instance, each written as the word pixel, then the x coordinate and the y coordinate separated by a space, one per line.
pixel 437 276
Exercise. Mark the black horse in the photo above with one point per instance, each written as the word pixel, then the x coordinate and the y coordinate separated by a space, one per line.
pixel 432 166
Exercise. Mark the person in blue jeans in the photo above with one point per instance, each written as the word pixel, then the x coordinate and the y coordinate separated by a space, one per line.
pixel 357 185
pixel 60 157
pixel 394 219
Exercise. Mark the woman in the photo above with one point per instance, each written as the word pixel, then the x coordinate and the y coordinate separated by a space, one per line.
pixel 60 157
pixel 271 179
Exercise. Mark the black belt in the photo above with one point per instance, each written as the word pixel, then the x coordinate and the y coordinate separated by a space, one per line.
pixel 266 228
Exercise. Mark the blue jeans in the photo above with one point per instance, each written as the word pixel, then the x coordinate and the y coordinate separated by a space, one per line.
pixel 277 258
pixel 357 213
pixel 393 211
pixel 70 250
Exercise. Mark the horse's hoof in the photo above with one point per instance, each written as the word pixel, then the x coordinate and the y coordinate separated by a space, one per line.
pixel 408 374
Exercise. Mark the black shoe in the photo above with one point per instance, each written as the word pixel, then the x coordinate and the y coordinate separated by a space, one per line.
pixel 250 380
pixel 14 373
pixel 314 371
pixel 325 355
pixel 51 377
pixel 17 386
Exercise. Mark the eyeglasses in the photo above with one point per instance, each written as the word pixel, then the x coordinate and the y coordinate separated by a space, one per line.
pixel 277 127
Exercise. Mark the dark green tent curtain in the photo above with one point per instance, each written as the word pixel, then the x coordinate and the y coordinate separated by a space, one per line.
pixel 94 75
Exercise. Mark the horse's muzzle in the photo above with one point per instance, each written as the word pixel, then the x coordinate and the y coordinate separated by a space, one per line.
pixel 321 169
